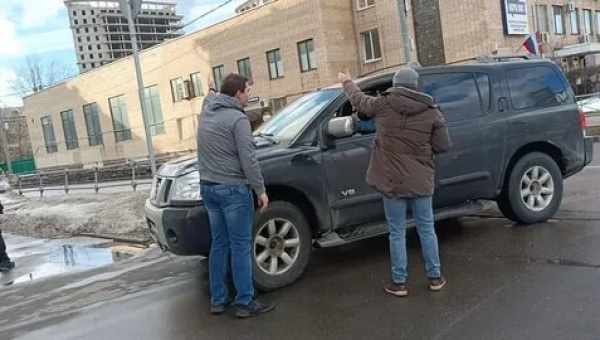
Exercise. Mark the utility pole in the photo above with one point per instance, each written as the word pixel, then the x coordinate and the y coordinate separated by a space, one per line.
pixel 131 9
pixel 406 41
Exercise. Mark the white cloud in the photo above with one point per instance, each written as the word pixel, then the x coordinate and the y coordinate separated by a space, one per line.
pixel 6 97
pixel 9 45
pixel 37 13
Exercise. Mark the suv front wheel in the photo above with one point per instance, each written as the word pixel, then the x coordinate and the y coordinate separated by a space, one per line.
pixel 534 190
pixel 281 246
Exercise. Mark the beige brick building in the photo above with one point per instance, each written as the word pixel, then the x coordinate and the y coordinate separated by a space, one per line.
pixel 288 47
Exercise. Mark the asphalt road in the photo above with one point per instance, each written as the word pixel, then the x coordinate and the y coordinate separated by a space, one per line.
pixel 505 282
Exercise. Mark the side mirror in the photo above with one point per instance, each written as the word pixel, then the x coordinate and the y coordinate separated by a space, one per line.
pixel 340 127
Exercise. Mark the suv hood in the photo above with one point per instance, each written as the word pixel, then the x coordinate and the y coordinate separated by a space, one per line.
pixel 184 165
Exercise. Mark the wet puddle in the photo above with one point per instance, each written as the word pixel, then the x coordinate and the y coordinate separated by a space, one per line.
pixel 37 259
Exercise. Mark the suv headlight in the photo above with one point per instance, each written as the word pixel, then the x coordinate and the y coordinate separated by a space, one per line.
pixel 187 187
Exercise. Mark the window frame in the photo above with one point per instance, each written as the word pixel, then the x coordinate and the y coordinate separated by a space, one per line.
pixel 177 90
pixel 51 146
pixel 246 63
pixel 577 24
pixel 218 81
pixel 67 118
pixel 310 66
pixel 96 137
pixel 198 88
pixel 562 20
pixel 121 135
pixel 276 63
pixel 365 5
pixel 370 33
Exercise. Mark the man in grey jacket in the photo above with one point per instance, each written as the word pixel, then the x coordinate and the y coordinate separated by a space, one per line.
pixel 229 171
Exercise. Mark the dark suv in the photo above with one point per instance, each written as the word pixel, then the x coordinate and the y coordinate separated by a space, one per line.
pixel 516 133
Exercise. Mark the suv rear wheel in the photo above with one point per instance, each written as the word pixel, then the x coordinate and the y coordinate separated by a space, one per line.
pixel 281 246
pixel 534 190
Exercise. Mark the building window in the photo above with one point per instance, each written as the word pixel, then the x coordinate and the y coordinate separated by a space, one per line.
pixel 93 65
pixel 98 47
pixel 92 12
pixel 372 47
pixel 177 89
pixel 80 48
pixel 82 57
pixel 91 56
pixel 85 21
pixel 95 29
pixel 87 30
pixel 587 21
pixel 362 4
pixel 197 84
pixel 275 64
pixel 84 66
pixel 77 30
pixel 244 68
pixel 82 12
pixel 74 13
pixel 218 76
pixel 89 47
pixel 541 14
pixel 87 39
pixel 76 22
pixel 92 124
pixel 120 120
pixel 559 20
pixel 306 54
pixel 48 131
pixel 94 21
pixel 78 39
pixel 153 110
pixel 100 55
pixel 68 123
pixel 575 22
pixel 97 38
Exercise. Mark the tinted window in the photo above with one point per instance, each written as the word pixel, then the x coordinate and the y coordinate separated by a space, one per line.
pixel 455 93
pixel 536 87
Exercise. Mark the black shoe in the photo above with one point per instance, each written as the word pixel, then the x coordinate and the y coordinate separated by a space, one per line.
pixel 436 284
pixel 6 266
pixel 255 308
pixel 396 289
pixel 217 309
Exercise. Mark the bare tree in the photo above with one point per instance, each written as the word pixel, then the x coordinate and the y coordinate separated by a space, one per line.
pixel 36 74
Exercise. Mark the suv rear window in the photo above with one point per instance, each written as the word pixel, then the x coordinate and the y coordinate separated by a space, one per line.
pixel 536 87
pixel 455 93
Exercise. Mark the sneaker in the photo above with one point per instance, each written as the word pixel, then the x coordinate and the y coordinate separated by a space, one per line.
pixel 437 283
pixel 217 309
pixel 6 266
pixel 396 289
pixel 255 308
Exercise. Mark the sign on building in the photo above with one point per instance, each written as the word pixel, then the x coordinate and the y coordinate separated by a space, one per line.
pixel 516 21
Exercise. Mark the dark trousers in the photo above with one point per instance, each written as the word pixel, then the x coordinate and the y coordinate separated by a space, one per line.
pixel 3 256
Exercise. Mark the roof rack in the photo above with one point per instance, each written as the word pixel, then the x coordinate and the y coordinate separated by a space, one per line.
pixel 495 58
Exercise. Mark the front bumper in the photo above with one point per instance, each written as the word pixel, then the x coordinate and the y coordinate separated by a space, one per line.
pixel 182 231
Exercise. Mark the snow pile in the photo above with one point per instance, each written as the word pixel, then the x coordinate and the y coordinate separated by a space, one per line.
pixel 114 215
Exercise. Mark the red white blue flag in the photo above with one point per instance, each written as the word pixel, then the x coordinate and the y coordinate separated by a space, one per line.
pixel 531 44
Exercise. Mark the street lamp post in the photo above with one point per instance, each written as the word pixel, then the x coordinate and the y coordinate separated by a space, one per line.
pixel 131 9
pixel 407 44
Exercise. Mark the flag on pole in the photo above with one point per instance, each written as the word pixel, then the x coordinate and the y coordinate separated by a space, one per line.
pixel 531 44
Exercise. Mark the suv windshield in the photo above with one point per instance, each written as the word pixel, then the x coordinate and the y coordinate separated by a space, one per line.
pixel 290 121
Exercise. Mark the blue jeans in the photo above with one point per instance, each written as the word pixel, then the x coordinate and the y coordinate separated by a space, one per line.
pixel 231 216
pixel 422 211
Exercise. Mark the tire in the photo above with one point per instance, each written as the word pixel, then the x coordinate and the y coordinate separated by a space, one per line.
pixel 534 190
pixel 267 246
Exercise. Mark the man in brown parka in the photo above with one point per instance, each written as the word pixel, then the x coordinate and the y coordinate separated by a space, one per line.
pixel 410 130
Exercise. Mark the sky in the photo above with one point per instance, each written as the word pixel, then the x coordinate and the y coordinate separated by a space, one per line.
pixel 41 28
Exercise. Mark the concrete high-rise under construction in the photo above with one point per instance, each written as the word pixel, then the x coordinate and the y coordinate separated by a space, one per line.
pixel 101 33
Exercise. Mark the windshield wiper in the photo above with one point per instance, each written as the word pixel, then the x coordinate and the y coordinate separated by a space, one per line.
pixel 268 136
